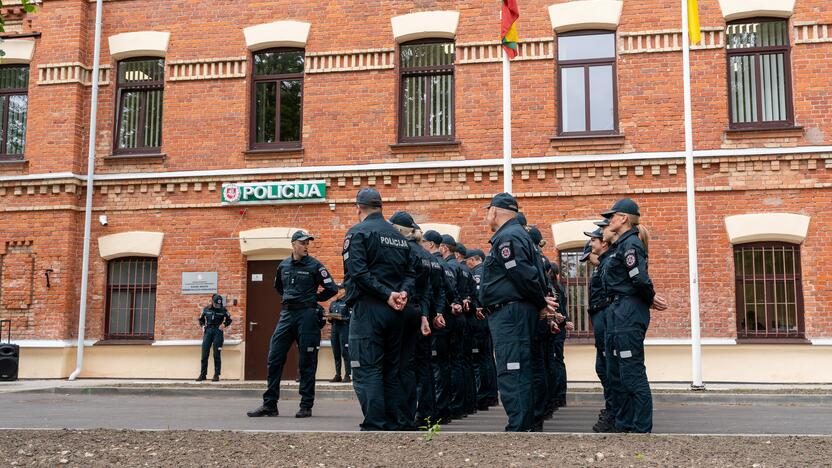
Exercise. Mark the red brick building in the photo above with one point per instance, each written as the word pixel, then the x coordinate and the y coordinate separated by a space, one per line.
pixel 406 96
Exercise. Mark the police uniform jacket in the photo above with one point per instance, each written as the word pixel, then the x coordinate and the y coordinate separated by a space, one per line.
pixel 438 300
pixel 298 281
pixel 512 270
pixel 338 309
pixel 422 294
pixel 476 275
pixel 212 317
pixel 376 260
pixel 626 271
pixel 449 286
pixel 598 297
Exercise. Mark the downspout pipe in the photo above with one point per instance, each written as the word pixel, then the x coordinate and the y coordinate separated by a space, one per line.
pixel 85 269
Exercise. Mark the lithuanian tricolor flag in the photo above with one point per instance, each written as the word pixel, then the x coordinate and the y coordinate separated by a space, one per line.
pixel 508 27
pixel 693 22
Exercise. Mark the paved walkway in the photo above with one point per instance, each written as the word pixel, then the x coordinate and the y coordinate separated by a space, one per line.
pixel 218 411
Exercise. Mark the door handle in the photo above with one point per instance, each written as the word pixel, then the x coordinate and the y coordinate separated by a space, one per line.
pixel 251 326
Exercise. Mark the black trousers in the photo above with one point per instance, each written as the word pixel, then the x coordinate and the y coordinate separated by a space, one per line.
pixel 212 338
pixel 299 326
pixel 340 338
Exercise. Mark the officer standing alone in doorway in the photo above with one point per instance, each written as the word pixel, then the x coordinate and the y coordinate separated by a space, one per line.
pixel 512 294
pixel 377 275
pixel 298 281
pixel 211 318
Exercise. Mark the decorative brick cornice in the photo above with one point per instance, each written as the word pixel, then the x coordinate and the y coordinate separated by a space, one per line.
pixel 74 72
pixel 669 40
pixel 812 32
pixel 492 52
pixel 207 69
pixel 350 61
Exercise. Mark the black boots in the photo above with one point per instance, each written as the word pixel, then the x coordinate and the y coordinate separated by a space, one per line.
pixel 263 411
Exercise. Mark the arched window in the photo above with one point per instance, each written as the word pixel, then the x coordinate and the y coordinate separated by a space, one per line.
pixel 769 290
pixel 426 111
pixel 587 83
pixel 139 93
pixel 759 74
pixel 277 97
pixel 131 298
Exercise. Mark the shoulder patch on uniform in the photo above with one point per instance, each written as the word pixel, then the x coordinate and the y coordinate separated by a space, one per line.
pixel 505 252
pixel 324 273
pixel 630 259
pixel 347 242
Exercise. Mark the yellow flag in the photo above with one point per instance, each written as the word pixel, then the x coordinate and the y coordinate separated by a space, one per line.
pixel 693 22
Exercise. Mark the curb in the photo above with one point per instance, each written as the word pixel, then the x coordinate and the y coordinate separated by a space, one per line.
pixel 577 398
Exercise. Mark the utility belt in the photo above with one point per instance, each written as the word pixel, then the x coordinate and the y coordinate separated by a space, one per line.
pixel 602 304
pixel 308 305
pixel 493 309
pixel 217 326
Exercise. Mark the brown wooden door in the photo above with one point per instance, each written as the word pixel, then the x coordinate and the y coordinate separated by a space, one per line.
pixel 262 313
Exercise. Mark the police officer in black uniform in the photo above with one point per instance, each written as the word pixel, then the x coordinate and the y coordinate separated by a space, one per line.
pixel 596 252
pixel 512 294
pixel 469 309
pixel 298 280
pixel 339 317
pixel 379 279
pixel 457 326
pixel 414 319
pixel 628 282
pixel 212 316
pixel 449 302
pixel 483 349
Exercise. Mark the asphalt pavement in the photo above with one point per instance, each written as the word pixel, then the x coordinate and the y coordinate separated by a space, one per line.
pixel 219 411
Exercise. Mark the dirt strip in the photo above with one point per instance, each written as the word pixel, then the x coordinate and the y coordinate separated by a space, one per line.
pixel 202 448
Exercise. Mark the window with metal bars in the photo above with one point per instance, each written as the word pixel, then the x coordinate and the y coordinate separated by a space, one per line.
pixel 131 298
pixel 139 91
pixel 277 99
pixel 426 109
pixel 769 290
pixel 587 79
pixel 14 99
pixel 759 74
pixel 575 276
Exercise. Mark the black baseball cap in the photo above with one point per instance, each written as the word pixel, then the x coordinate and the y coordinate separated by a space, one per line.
pixel 475 253
pixel 217 300
pixel 597 234
pixel 432 236
pixel 602 223
pixel 448 240
pixel 403 219
pixel 460 249
pixel 521 218
pixel 587 251
pixel 302 236
pixel 368 197
pixel 625 205
pixel 504 200
pixel 536 235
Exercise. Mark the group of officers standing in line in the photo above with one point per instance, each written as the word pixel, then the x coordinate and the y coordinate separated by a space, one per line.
pixel 437 330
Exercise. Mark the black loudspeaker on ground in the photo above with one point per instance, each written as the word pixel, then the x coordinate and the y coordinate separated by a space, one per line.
pixel 9 361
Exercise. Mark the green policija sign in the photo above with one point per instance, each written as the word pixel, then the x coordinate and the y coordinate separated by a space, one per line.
pixel 261 193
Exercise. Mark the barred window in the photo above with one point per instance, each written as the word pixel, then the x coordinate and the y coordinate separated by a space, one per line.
pixel 759 74
pixel 14 98
pixel 140 88
pixel 277 97
pixel 575 278
pixel 586 70
pixel 427 91
pixel 131 298
pixel 769 290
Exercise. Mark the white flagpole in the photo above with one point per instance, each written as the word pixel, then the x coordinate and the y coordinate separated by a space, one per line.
pixel 507 173
pixel 693 265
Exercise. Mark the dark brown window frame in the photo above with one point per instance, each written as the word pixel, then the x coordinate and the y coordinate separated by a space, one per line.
pixel 255 79
pixel 426 72
pixel 8 93
pixel 130 288
pixel 586 65
pixel 757 53
pixel 146 86
pixel 797 280
pixel 580 281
